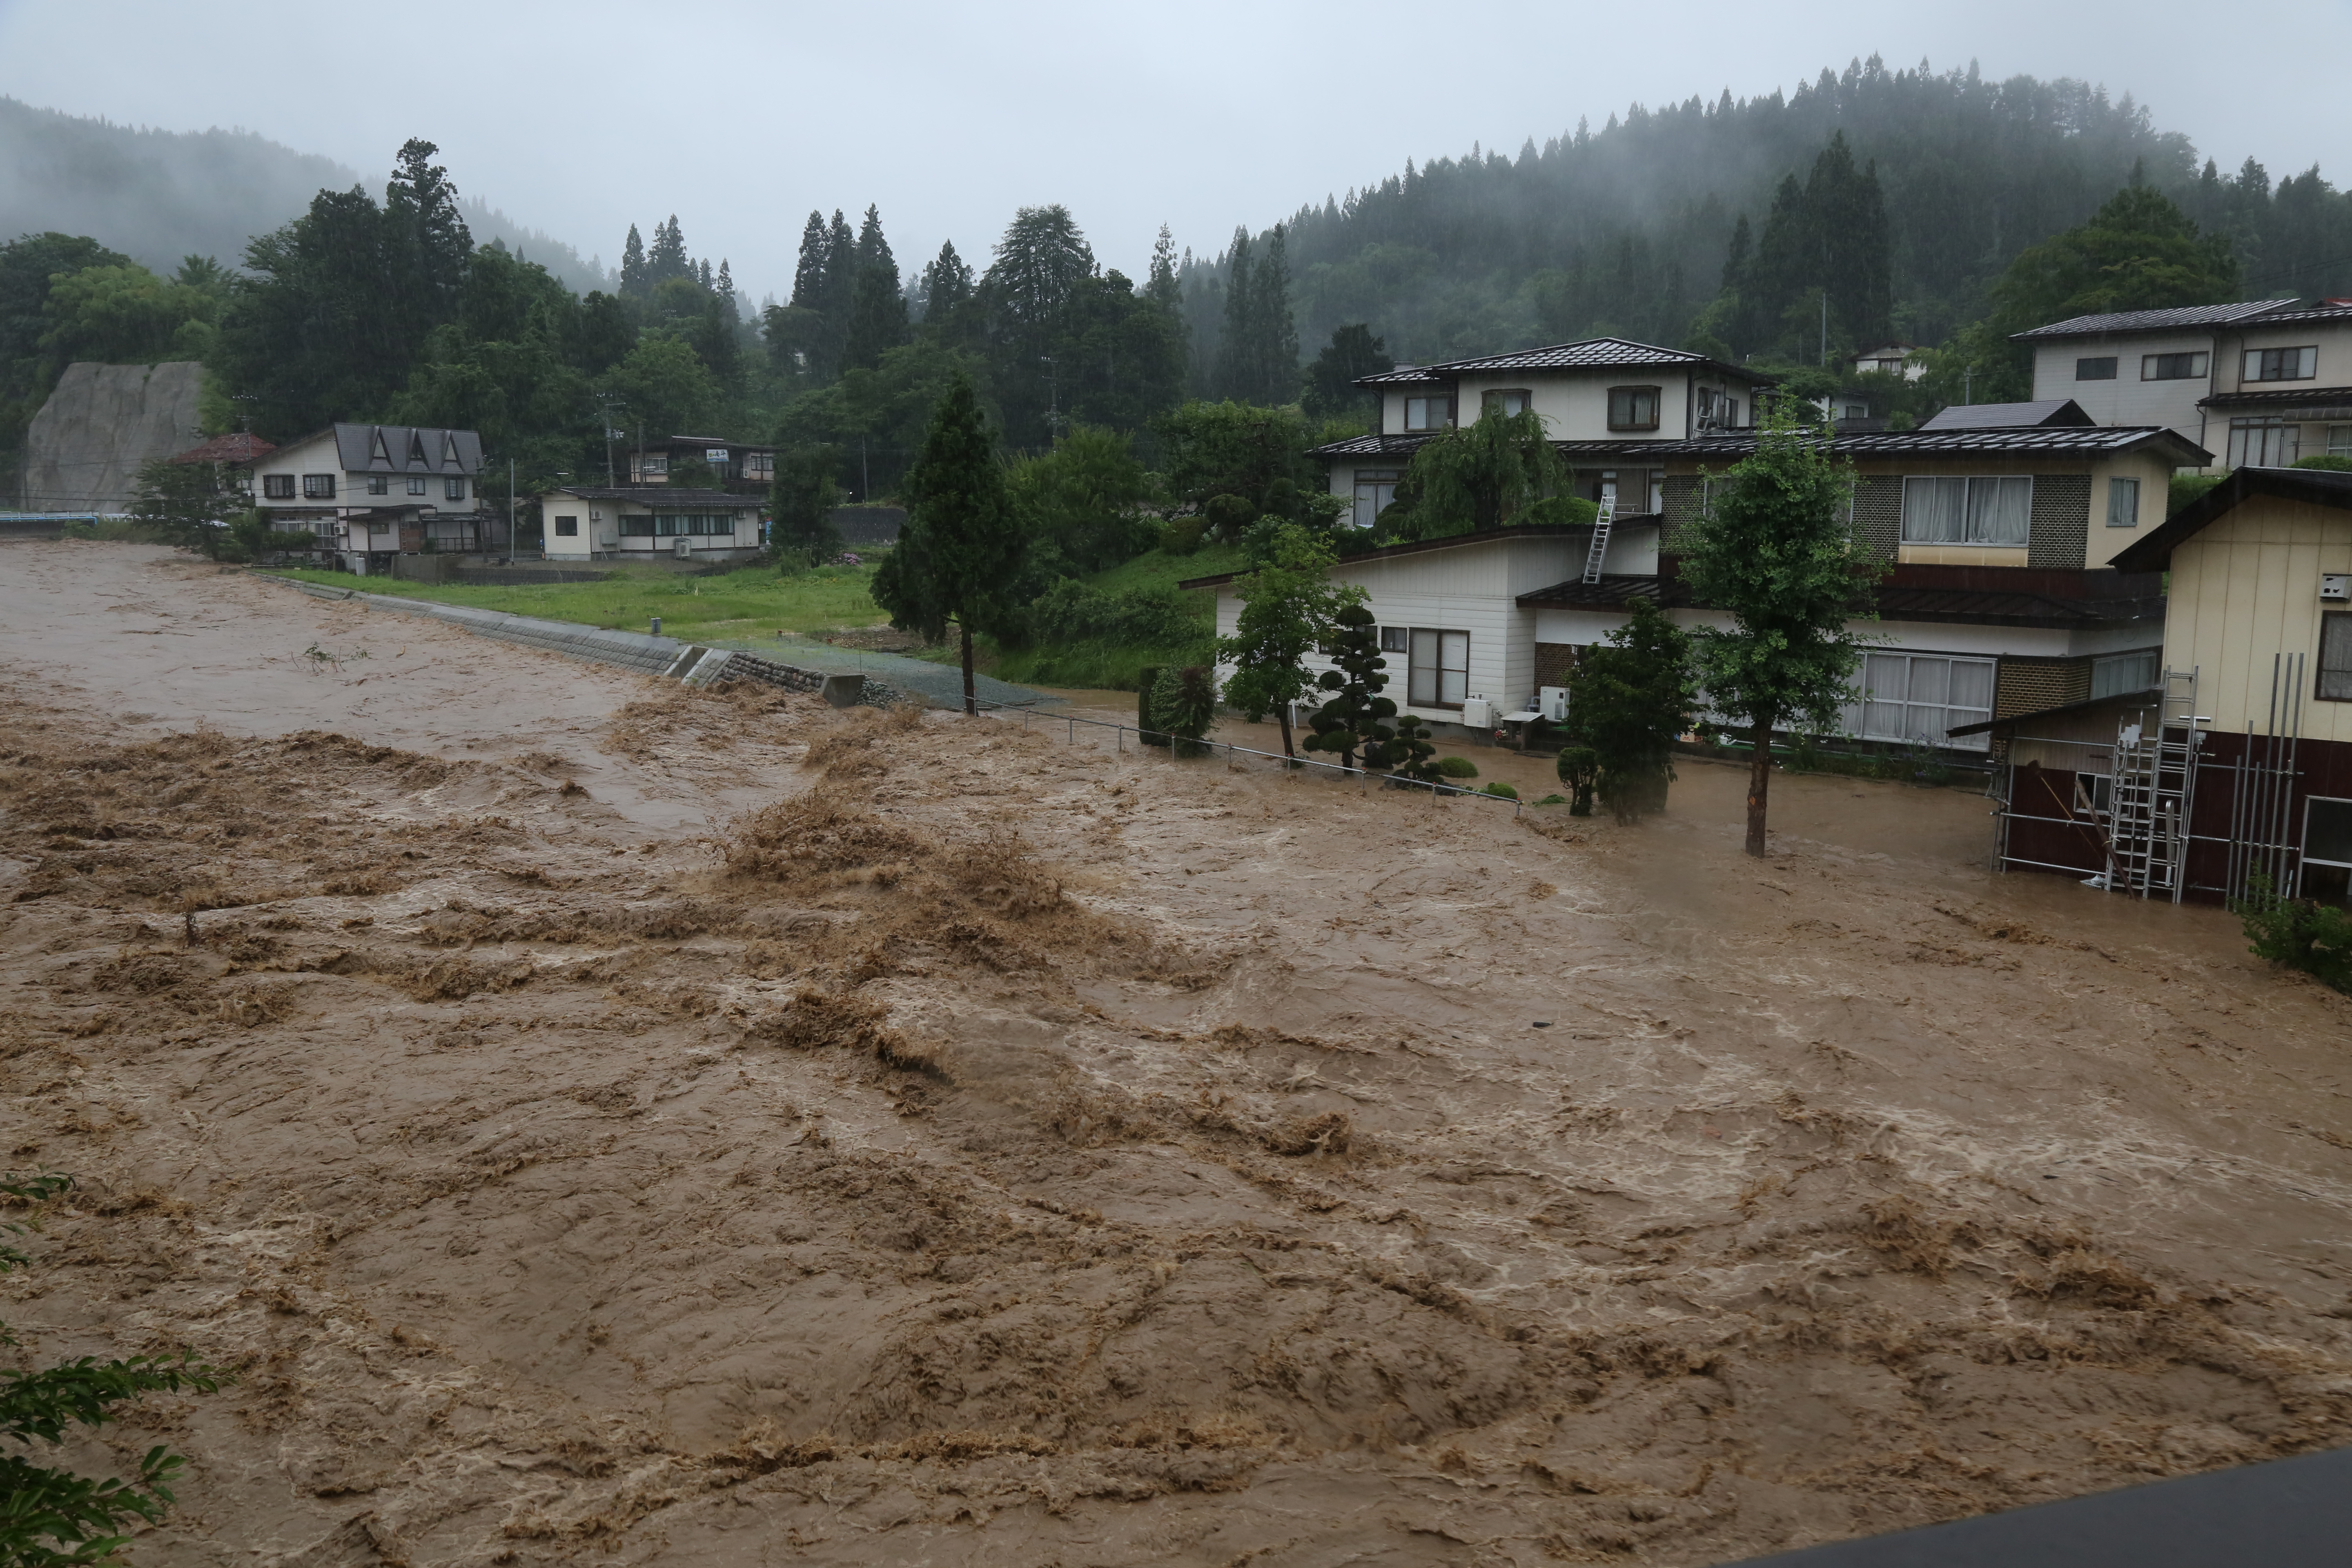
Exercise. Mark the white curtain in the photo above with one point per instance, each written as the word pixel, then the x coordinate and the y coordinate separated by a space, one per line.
pixel 1934 510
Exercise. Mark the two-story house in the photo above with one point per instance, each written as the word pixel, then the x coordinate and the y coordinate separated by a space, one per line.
pixel 2258 384
pixel 365 493
pixel 735 467
pixel 1997 526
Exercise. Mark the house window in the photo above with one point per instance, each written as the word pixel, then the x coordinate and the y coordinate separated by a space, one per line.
pixel 416 484
pixel 1658 492
pixel 2282 364
pixel 2339 440
pixel 1634 408
pixel 1967 511
pixel 2123 672
pixel 2123 504
pixel 1375 488
pixel 1396 639
pixel 2099 369
pixel 318 487
pixel 653 466
pixel 1438 668
pixel 567 528
pixel 1428 413
pixel 2327 849
pixel 452 490
pixel 758 465
pixel 1916 699
pixel 379 485
pixel 2265 443
pixel 634 523
pixel 2171 367
pixel 1506 402
pixel 2335 657
pixel 670 524
pixel 277 487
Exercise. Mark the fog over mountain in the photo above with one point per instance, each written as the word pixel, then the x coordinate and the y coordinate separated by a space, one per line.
pixel 158 196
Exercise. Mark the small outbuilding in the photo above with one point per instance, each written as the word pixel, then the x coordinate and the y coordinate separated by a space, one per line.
pixel 644 522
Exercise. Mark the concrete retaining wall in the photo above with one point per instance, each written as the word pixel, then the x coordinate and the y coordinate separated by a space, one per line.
pixel 636 651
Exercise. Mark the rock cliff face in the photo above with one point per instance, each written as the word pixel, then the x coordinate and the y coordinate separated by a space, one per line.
pixel 83 449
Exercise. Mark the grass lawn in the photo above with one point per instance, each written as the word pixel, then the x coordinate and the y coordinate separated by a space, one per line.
pixel 751 602
pixel 1114 667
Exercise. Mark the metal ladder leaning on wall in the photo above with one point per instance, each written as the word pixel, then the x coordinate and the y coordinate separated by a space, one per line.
pixel 1601 526
pixel 2155 789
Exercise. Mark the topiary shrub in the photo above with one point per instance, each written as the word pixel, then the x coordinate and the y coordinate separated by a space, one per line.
pixel 1497 787
pixel 1147 720
pixel 1411 753
pixel 1182 535
pixel 1457 767
pixel 1228 515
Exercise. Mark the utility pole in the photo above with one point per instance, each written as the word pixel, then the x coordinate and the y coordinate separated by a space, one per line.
pixel 511 511
pixel 1825 328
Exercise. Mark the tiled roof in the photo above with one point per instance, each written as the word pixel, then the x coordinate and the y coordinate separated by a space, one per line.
pixel 658 495
pixel 2086 440
pixel 2003 416
pixel 1590 353
pixel 1896 601
pixel 1404 375
pixel 2326 402
pixel 1371 446
pixel 238 447
pixel 2152 321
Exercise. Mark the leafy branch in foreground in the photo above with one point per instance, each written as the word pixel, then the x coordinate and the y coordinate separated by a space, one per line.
pixel 50 1517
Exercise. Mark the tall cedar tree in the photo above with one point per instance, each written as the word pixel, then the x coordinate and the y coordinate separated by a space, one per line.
pixel 1776 548
pixel 959 555
pixel 1331 392
pixel 877 311
pixel 802 499
pixel 1356 717
pixel 1290 608
pixel 633 283
pixel 1629 699
pixel 1258 348
pixel 1043 265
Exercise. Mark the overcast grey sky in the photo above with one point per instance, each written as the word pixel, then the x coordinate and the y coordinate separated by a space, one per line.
pixel 581 118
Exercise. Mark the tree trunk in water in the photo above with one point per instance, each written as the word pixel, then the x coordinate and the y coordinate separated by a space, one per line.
pixel 1760 782
pixel 970 704
pixel 1284 714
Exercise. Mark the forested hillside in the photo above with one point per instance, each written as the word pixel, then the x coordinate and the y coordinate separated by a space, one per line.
pixel 158 196
pixel 1628 228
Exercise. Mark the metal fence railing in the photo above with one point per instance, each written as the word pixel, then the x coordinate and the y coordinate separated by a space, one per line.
pixel 1293 766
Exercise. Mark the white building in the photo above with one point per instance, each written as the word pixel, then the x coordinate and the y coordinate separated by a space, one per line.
pixel 600 522
pixel 366 493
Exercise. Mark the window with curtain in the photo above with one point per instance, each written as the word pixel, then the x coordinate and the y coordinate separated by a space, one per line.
pixel 2282 364
pixel 2335 657
pixel 1438 668
pixel 2122 672
pixel 1375 488
pixel 1506 402
pixel 2123 504
pixel 1968 510
pixel 1428 413
pixel 1634 408
pixel 2265 443
pixel 1915 698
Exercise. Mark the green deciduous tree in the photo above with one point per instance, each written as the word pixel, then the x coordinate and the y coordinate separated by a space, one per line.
pixel 1353 722
pixel 1776 548
pixel 664 388
pixel 958 557
pixel 1630 697
pixel 1290 607
pixel 49 1518
pixel 802 500
pixel 1081 505
pixel 126 315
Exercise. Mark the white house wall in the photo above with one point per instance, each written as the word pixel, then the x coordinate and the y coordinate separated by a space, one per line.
pixel 2128 400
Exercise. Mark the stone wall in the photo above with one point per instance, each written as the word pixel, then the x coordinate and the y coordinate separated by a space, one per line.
pixel 83 449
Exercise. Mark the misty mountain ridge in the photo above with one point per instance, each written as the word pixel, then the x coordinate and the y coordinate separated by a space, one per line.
pixel 160 195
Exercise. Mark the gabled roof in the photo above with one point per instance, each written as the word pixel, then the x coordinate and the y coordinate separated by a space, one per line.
pixel 2165 321
pixel 2314 487
pixel 237 449
pixel 2069 440
pixel 401 449
pixel 2050 411
pixel 1589 354
pixel 667 495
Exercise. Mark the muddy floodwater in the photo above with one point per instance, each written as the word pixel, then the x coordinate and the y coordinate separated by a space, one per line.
pixel 599 1120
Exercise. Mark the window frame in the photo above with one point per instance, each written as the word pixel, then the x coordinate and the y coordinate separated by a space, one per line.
pixel 379 484
pixel 2118 484
pixel 1438 670
pixel 2200 365
pixel 1857 713
pixel 1632 397
pixel 1394 639
pixel 1967 510
pixel 567 528
pixel 277 487
pixel 2151 658
pixel 1376 480
pixel 1491 401
pixel 2303 851
pixel 1424 403
pixel 2258 363
pixel 2336 624
pixel 2083 370
pixel 416 484
pixel 318 487
pixel 453 489
pixel 2281 439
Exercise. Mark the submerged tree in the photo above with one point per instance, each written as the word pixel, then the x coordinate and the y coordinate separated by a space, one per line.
pixel 1630 697
pixel 1776 548
pixel 959 555
pixel 1290 608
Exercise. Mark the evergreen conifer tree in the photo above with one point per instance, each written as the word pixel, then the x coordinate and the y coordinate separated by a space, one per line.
pixel 802 500
pixel 634 281
pixel 1237 338
pixel 808 274
pixel 960 554
pixel 668 258
pixel 1160 286
pixel 1274 358
pixel 1355 720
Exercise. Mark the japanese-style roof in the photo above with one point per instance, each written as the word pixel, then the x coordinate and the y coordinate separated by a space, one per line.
pixel 1590 353
pixel 2313 487
pixel 2085 441
pixel 1371 446
pixel 668 441
pixel 1404 375
pixel 1942 595
pixel 235 449
pixel 660 495
pixel 1562 531
pixel 2049 412
pixel 2164 320
pixel 2311 402
pixel 2082 705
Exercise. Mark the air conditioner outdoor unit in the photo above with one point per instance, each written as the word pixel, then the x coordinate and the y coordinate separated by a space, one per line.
pixel 2336 586
pixel 1551 701
pixel 1477 713
pixel 682 547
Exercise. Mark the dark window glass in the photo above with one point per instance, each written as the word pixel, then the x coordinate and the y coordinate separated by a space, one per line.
pixel 2103 369
pixel 277 487
pixel 319 487
pixel 378 485
pixel 1634 408
pixel 567 528
pixel 2335 657
pixel 2171 367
